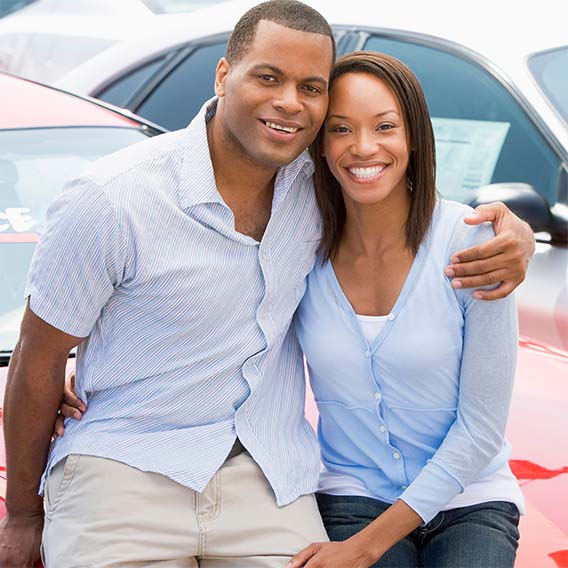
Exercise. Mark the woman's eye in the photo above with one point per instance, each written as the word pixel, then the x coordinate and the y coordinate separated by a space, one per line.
pixel 340 129
pixel 385 126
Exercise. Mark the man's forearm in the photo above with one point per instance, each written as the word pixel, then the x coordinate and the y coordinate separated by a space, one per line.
pixel 33 394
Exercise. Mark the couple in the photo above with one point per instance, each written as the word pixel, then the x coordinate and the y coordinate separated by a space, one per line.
pixel 176 266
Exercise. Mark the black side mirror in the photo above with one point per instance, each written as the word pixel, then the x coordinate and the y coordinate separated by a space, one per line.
pixel 528 204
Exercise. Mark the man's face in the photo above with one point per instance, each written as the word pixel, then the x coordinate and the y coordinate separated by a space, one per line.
pixel 274 99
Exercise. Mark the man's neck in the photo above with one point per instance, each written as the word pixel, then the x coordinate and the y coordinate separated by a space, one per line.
pixel 237 176
pixel 245 187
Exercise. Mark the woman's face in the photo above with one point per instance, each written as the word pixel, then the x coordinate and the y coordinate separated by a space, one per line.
pixel 365 141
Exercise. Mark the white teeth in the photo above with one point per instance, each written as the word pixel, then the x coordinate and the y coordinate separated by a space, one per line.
pixel 366 173
pixel 290 129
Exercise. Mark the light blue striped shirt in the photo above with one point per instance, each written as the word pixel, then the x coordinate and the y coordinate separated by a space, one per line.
pixel 187 321
pixel 419 413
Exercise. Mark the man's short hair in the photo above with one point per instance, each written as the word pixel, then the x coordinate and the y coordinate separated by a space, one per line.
pixel 288 13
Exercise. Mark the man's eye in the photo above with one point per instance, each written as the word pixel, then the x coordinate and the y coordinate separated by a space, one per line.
pixel 267 78
pixel 311 89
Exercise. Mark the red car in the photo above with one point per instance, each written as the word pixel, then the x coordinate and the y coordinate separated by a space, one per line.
pixel 46 136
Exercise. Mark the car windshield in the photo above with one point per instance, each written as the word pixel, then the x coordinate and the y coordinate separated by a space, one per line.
pixel 34 164
pixel 176 6
pixel 550 69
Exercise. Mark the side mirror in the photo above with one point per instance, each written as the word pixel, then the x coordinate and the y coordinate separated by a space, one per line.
pixel 529 205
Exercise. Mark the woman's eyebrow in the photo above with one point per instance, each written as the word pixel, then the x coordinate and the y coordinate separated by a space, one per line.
pixel 379 114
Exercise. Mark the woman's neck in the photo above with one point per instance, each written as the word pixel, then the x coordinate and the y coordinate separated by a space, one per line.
pixel 378 228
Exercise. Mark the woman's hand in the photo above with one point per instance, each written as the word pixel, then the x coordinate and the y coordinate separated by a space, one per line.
pixel 504 259
pixel 364 548
pixel 71 407
pixel 333 555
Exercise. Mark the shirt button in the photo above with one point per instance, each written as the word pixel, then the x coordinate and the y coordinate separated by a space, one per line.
pixel 383 429
pixel 367 354
pixel 396 455
pixel 378 395
pixel 391 317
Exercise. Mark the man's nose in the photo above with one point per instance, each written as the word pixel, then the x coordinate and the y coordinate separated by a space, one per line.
pixel 288 100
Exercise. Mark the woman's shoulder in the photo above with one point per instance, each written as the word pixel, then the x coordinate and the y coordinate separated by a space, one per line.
pixel 452 211
pixel 455 231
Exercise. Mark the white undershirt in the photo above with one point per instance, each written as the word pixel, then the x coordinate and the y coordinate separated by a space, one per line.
pixel 372 325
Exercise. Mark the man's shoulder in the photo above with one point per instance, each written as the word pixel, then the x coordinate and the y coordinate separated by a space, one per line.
pixel 145 163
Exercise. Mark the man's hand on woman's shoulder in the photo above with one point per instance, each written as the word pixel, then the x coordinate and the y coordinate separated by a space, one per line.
pixel 503 259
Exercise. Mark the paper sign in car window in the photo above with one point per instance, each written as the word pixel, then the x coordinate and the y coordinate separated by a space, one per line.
pixel 466 154
pixel 16 224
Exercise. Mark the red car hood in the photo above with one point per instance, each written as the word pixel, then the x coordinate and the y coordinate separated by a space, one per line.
pixel 537 430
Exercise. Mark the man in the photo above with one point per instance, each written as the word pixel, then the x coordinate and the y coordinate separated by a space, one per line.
pixel 175 266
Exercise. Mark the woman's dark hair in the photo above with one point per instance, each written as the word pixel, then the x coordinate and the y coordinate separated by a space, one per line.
pixel 421 171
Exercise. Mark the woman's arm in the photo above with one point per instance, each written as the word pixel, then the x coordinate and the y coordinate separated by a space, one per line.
pixel 485 388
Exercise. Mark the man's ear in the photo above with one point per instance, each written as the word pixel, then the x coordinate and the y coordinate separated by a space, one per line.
pixel 221 74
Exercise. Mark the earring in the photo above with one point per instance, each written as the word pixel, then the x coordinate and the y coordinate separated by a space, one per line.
pixel 409 184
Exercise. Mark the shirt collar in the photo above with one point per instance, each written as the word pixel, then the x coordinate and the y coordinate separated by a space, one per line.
pixel 198 180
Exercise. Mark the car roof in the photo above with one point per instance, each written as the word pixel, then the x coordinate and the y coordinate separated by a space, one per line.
pixel 501 31
pixel 110 7
pixel 109 20
pixel 26 104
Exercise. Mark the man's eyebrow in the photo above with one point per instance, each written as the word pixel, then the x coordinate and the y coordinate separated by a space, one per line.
pixel 278 71
pixel 379 114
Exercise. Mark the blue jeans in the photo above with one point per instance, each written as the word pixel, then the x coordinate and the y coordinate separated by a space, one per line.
pixel 480 536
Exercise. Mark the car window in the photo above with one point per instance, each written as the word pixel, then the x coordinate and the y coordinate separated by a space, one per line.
pixel 178 98
pixel 482 134
pixel 48 57
pixel 550 69
pixel 34 164
pixel 13 47
pixel 9 6
pixel 120 92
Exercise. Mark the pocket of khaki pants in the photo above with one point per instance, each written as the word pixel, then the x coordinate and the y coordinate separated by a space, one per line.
pixel 58 482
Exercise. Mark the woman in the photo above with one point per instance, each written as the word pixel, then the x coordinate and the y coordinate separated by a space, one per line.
pixel 412 378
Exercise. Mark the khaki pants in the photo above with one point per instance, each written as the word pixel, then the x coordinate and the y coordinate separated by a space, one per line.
pixel 102 513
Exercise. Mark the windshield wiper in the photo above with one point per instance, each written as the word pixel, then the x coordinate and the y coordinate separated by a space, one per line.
pixel 5 355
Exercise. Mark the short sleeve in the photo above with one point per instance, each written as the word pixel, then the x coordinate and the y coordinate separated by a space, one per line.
pixel 79 260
